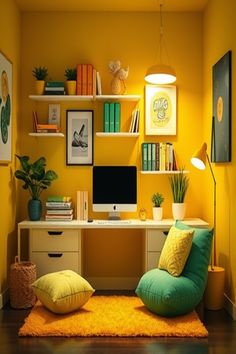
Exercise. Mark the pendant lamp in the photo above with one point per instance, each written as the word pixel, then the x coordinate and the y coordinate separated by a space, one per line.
pixel 160 73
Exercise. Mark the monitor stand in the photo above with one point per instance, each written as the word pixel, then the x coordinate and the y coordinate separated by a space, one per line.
pixel 114 215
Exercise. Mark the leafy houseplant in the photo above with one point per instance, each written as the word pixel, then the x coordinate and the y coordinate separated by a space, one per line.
pixel 40 73
pixel 71 76
pixel 35 179
pixel 179 184
pixel 157 200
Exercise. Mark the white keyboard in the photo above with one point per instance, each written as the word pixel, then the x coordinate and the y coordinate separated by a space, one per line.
pixel 114 222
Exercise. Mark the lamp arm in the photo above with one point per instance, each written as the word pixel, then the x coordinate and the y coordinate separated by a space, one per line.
pixel 213 259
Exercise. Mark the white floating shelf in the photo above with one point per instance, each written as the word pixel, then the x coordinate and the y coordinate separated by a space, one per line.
pixel 47 134
pixel 68 98
pixel 118 135
pixel 162 172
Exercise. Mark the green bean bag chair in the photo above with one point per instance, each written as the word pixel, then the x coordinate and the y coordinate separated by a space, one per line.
pixel 170 296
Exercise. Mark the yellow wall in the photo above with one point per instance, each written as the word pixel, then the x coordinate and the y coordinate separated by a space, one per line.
pixel 10 46
pixel 60 40
pixel 219 37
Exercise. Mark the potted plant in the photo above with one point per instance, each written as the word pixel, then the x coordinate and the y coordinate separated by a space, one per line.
pixel 40 73
pixel 179 184
pixel 71 77
pixel 35 179
pixel 157 200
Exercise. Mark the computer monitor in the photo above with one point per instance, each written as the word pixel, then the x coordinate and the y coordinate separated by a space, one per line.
pixel 114 189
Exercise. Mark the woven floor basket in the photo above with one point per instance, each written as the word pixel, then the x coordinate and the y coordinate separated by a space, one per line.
pixel 22 275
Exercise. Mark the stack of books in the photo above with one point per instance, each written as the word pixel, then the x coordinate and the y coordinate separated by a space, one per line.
pixel 111 117
pixel 55 88
pixel 59 208
pixel 158 157
pixel 86 80
pixel 44 128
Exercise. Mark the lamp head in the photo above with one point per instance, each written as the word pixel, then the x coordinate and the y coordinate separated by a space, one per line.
pixel 160 74
pixel 198 159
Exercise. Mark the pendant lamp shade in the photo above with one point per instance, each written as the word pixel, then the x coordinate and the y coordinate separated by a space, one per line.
pixel 160 73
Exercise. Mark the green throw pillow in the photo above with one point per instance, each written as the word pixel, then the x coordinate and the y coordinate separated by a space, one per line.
pixel 62 292
pixel 171 296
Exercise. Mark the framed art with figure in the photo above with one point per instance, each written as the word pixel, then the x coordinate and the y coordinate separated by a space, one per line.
pixel 5 109
pixel 79 137
pixel 160 110
pixel 221 110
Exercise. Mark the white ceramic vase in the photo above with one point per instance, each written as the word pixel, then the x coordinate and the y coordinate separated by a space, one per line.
pixel 178 211
pixel 157 213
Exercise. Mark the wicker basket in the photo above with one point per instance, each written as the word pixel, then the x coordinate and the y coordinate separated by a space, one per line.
pixel 22 275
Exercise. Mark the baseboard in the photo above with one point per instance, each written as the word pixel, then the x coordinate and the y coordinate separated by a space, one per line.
pixel 4 298
pixel 230 307
pixel 113 283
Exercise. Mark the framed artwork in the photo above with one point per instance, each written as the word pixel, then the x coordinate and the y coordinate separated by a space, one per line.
pixel 54 114
pixel 221 110
pixel 79 137
pixel 160 110
pixel 5 109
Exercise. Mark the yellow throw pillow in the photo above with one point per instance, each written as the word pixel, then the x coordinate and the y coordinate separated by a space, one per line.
pixel 176 250
pixel 62 292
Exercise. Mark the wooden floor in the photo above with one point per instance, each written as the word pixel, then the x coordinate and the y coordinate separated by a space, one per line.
pixel 221 340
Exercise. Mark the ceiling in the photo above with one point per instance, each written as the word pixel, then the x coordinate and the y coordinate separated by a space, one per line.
pixel 110 5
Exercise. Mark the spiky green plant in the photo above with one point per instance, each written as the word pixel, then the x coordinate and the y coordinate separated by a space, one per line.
pixel 157 199
pixel 40 73
pixel 34 175
pixel 179 184
pixel 71 74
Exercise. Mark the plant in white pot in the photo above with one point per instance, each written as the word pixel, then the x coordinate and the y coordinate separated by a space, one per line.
pixel 157 200
pixel 179 184
pixel 40 73
pixel 71 77
pixel 35 179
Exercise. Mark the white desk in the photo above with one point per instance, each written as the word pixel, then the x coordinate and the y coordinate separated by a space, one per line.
pixel 57 245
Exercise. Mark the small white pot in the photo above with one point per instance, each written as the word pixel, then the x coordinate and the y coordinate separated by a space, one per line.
pixel 178 211
pixel 157 213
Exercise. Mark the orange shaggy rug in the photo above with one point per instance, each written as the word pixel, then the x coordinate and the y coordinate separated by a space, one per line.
pixel 121 316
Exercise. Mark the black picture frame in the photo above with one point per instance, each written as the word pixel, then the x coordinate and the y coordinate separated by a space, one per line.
pixel 79 137
pixel 221 120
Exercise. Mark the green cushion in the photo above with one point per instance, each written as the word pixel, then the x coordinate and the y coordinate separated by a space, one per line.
pixel 171 296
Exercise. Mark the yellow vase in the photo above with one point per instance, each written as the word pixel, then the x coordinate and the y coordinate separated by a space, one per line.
pixel 39 87
pixel 71 87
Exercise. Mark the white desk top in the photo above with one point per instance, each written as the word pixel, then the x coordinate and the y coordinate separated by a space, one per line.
pixel 106 224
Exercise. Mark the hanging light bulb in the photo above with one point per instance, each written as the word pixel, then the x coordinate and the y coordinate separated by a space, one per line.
pixel 160 73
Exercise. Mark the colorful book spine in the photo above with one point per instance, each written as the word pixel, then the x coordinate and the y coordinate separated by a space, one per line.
pixel 144 156
pixel 89 79
pixel 153 166
pixel 106 117
pixel 112 117
pixel 79 80
pixel 157 156
pixel 84 79
pixel 58 198
pixel 117 117
pixel 149 156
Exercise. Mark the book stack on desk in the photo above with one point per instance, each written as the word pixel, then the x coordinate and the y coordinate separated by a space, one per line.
pixel 59 208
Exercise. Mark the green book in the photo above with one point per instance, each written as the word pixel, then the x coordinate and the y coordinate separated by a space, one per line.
pixel 58 198
pixel 106 118
pixel 112 117
pixel 149 156
pixel 153 156
pixel 117 117
pixel 144 156
pixel 55 84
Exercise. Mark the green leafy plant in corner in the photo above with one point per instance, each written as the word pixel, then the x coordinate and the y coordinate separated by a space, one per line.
pixel 179 184
pixel 71 74
pixel 157 200
pixel 40 73
pixel 34 175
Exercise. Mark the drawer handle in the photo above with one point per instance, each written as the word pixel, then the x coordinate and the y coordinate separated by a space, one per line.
pixel 55 233
pixel 55 255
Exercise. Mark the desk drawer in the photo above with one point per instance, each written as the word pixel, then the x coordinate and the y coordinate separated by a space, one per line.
pixel 155 240
pixel 54 240
pixel 48 262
